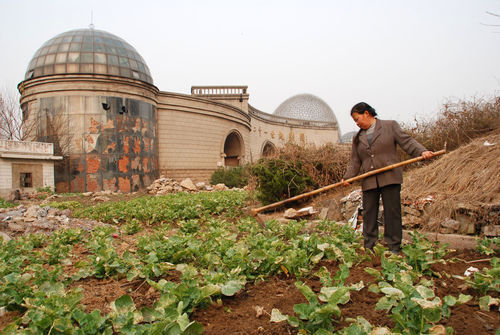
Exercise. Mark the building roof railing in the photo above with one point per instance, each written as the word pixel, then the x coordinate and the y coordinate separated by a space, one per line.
pixel 218 90
pixel 27 150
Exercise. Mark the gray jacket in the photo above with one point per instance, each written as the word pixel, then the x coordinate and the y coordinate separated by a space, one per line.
pixel 381 153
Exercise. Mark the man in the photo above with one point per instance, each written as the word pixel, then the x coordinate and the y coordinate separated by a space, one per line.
pixel 374 147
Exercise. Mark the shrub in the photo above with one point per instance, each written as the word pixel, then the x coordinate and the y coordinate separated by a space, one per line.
pixel 325 165
pixel 231 176
pixel 279 179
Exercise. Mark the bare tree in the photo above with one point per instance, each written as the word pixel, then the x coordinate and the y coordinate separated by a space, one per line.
pixel 492 25
pixel 11 117
pixel 54 128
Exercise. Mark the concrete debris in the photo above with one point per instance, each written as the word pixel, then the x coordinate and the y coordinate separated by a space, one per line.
pixel 470 270
pixel 220 187
pixel 323 214
pixel 35 219
pixel 449 226
pixel 350 203
pixel 491 231
pixel 291 213
pixel 331 210
pixel 100 198
pixel 165 185
pixel 488 144
pixel 188 184
pixel 467 219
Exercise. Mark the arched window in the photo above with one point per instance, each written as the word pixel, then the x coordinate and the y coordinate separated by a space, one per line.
pixel 268 149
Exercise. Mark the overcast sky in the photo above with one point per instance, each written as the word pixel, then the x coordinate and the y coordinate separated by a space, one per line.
pixel 405 58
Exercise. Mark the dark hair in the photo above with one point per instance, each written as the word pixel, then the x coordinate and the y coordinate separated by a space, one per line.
pixel 362 107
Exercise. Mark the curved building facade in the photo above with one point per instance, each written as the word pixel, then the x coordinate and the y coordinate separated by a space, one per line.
pixel 91 94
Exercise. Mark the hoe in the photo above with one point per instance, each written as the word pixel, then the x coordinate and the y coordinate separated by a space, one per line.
pixel 256 211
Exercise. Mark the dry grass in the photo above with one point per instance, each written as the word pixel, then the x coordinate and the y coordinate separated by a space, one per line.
pixel 325 165
pixel 458 123
pixel 468 176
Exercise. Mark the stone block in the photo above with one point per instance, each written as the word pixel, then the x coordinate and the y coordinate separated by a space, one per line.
pixel 188 184
pixel 323 214
pixel 411 211
pixel 454 225
pixel 290 213
pixel 491 231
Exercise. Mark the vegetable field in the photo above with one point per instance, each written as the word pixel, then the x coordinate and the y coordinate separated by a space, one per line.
pixel 196 264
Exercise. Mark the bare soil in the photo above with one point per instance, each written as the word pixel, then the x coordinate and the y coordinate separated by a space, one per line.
pixel 239 314
pixel 249 311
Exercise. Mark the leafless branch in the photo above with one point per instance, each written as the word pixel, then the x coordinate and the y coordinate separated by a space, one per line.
pixel 490 25
pixel 55 129
pixel 10 117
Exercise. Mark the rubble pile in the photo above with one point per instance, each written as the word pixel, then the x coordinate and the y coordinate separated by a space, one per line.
pixel 482 219
pixel 35 219
pixel 350 203
pixel 165 185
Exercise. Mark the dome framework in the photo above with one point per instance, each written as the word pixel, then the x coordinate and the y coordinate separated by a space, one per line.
pixel 306 107
pixel 88 51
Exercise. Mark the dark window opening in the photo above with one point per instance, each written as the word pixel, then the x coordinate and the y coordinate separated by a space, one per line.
pixel 26 180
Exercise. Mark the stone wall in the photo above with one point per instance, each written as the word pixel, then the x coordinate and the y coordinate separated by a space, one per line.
pixel 276 131
pixel 192 132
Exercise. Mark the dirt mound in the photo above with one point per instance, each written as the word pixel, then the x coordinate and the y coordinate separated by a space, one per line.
pixel 466 180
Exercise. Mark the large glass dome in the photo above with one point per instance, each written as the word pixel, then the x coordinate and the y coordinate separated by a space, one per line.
pixel 88 51
pixel 306 107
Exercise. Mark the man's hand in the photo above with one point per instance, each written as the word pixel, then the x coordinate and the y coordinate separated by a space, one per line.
pixel 344 183
pixel 427 154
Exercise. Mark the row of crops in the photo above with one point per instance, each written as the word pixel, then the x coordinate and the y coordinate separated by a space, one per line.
pixel 217 250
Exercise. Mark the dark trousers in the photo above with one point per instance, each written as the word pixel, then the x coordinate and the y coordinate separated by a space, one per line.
pixel 393 228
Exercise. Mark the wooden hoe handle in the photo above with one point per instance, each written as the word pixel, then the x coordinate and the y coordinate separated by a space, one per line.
pixel 255 211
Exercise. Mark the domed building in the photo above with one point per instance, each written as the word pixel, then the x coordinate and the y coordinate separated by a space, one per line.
pixel 306 107
pixel 91 94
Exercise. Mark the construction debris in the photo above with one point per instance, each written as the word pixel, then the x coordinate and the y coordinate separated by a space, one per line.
pixel 291 213
pixel 165 185
pixel 35 219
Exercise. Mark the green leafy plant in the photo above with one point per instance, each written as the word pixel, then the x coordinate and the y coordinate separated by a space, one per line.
pixel 486 280
pixel 422 253
pixel 279 179
pixel 361 326
pixel 414 309
pixel 167 208
pixel 6 204
pixel 487 246
pixel 50 310
pixel 132 227
pixel 315 317
pixel 46 189
pixel 230 176
pixel 71 205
